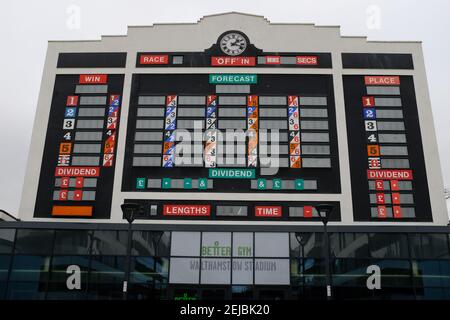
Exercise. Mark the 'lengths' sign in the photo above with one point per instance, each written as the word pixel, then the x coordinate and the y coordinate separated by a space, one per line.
pixel 187 210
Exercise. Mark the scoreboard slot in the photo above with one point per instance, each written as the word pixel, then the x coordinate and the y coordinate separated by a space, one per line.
pixel 80 153
pixel 383 160
pixel 240 132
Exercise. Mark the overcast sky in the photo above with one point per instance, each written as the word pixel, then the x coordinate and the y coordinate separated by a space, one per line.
pixel 26 26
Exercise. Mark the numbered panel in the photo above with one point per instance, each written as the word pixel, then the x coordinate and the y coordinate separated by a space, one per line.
pixel 187 134
pixel 385 145
pixel 77 169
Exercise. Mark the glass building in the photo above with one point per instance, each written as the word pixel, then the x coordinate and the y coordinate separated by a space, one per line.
pixel 35 260
pixel 236 138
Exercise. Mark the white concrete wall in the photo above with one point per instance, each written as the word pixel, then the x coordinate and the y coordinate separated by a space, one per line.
pixel 268 37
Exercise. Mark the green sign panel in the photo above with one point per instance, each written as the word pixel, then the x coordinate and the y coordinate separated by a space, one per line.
pixel 299 184
pixel 277 184
pixel 202 183
pixel 233 78
pixel 166 183
pixel 261 184
pixel 140 183
pixel 188 183
pixel 232 173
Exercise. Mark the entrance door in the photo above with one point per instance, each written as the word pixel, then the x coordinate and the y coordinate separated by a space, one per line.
pixel 215 293
pixel 199 293
pixel 268 293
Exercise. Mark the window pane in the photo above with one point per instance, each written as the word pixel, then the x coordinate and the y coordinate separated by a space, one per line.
pixel 349 245
pixel 72 242
pixel 60 278
pixel 106 278
pixel 151 243
pixel 5 261
pixel 147 291
pixel 271 244
pixel 110 243
pixel 242 293
pixel 2 290
pixel 6 240
pixel 308 272
pixel 394 273
pixel 431 273
pixel 149 270
pixel 429 245
pixel 107 269
pixel 388 245
pixel 306 245
pixel 60 265
pixel 26 291
pixel 34 241
pixel 350 272
pixel 30 268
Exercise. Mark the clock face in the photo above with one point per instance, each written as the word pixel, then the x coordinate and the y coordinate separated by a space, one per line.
pixel 233 44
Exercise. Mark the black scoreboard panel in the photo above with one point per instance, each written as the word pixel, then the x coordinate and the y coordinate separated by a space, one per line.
pixel 386 154
pixel 166 109
pixel 78 163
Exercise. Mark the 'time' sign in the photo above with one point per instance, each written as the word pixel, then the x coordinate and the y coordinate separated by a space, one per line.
pixel 268 211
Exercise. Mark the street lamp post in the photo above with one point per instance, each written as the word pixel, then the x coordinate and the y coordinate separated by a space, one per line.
pixel 129 211
pixel 324 211
pixel 301 241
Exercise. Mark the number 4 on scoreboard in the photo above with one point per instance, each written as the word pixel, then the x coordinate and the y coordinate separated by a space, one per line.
pixel 372 138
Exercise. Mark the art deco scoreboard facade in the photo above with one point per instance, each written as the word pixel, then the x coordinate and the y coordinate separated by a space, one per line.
pixel 234 121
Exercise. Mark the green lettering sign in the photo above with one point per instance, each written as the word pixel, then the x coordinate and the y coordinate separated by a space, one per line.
pixel 232 173
pixel 233 78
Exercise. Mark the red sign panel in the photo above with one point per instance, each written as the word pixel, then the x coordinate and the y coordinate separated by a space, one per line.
pixel 397 212
pixel 93 78
pixel 268 211
pixel 154 59
pixel 306 60
pixel 389 174
pixel 72 101
pixel 273 59
pixel 307 211
pixel 182 210
pixel 382 80
pixel 381 210
pixel 77 172
pixel 233 61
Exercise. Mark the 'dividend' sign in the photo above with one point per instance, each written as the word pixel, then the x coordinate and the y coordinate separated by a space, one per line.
pixel 233 78
pixel 232 173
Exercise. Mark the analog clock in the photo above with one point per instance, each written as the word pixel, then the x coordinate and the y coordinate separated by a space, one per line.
pixel 233 44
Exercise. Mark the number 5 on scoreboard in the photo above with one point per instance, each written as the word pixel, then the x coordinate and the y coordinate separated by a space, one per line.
pixel 65 148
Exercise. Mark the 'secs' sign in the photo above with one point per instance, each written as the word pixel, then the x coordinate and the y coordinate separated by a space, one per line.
pixel 306 60
pixel 268 211
pixel 154 59
pixel 233 61
pixel 93 78
pixel 382 80
pixel 187 210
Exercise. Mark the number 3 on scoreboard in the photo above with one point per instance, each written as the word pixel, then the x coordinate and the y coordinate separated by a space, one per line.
pixel 69 124
pixel 370 125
